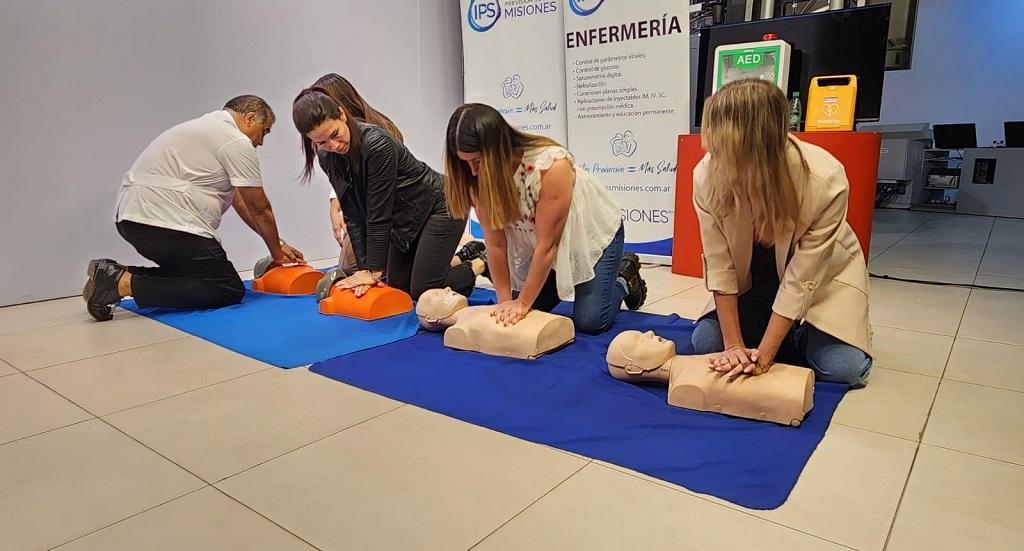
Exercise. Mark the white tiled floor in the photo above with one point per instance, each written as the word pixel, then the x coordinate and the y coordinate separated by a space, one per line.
pixel 131 435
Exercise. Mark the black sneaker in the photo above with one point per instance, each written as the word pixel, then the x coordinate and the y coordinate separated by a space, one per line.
pixel 471 250
pixel 100 293
pixel 636 287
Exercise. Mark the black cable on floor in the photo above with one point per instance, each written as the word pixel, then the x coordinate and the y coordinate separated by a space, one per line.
pixel 946 283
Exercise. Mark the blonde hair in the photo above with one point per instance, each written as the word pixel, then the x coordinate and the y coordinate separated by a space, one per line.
pixel 478 128
pixel 745 132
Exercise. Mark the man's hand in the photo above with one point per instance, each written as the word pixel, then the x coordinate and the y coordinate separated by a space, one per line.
pixel 510 312
pixel 289 255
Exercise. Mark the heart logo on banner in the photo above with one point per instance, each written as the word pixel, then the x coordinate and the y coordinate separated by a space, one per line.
pixel 512 87
pixel 830 109
pixel 623 144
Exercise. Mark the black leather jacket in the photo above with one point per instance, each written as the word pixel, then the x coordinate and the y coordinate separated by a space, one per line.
pixel 386 197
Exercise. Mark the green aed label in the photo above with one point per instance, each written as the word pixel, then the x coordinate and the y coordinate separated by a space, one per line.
pixel 748 59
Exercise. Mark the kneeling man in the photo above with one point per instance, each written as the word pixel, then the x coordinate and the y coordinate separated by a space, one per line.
pixel 170 206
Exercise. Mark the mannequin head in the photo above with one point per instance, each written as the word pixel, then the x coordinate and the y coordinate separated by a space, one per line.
pixel 638 352
pixel 436 308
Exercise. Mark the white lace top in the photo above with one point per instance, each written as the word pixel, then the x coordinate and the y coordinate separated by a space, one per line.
pixel 593 221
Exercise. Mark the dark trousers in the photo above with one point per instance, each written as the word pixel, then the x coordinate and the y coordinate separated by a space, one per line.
pixel 427 263
pixel 193 271
pixel 598 300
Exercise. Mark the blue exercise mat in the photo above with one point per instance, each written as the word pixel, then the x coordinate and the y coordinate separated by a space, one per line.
pixel 569 401
pixel 288 331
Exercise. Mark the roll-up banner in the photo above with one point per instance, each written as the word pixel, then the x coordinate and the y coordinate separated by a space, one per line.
pixel 627 99
pixel 513 61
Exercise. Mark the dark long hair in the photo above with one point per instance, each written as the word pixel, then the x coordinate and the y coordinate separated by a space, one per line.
pixel 479 128
pixel 342 91
pixel 310 109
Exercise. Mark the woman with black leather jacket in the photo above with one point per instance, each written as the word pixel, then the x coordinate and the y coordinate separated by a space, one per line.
pixel 393 203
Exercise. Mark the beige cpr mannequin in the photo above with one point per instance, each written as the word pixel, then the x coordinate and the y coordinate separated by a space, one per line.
pixel 473 328
pixel 782 395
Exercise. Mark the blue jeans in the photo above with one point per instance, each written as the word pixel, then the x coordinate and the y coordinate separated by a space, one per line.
pixel 597 300
pixel 831 359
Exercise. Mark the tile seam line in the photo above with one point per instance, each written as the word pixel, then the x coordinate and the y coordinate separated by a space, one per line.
pixel 927 418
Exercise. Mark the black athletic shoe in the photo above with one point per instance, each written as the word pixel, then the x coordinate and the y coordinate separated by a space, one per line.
pixel 471 250
pixel 100 293
pixel 636 287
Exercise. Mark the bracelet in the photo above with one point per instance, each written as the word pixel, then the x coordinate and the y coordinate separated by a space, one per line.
pixel 281 242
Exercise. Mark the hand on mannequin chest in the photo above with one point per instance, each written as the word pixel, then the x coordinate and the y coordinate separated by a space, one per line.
pixel 473 328
pixel 782 395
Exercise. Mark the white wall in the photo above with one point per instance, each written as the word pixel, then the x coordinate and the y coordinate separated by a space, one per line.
pixel 86 85
pixel 966 67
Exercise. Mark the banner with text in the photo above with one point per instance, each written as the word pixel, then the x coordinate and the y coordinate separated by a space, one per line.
pixel 627 100
pixel 512 61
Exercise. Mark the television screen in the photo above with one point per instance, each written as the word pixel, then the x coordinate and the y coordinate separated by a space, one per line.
pixel 955 136
pixel 840 42
pixel 1013 133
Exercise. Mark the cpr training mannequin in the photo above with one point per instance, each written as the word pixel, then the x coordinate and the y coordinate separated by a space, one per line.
pixel 473 328
pixel 784 394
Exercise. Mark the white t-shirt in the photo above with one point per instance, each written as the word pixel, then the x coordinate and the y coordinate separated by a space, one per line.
pixel 186 178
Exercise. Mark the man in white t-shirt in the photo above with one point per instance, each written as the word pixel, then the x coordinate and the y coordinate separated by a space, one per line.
pixel 170 206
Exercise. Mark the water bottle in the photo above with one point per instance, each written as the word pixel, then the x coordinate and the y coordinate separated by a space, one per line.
pixel 796 113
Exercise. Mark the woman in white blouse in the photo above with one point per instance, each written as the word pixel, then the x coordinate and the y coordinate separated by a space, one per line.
pixel 552 231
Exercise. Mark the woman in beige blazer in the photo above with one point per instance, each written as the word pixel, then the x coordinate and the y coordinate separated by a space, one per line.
pixel 786 270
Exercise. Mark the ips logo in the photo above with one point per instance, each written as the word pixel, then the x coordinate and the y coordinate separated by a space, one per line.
pixel 483 14
pixel 585 7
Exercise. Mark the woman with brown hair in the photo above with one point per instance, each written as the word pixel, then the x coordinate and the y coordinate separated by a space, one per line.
pixel 342 91
pixel 551 230
pixel 393 203
pixel 785 268
pixel 339 88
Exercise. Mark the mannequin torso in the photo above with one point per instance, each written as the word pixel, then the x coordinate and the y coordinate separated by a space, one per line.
pixel 782 395
pixel 472 328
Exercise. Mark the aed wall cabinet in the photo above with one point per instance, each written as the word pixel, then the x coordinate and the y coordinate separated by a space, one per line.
pixel 765 60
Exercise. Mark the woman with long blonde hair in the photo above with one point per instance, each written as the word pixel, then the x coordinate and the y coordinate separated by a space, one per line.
pixel 786 270
pixel 551 230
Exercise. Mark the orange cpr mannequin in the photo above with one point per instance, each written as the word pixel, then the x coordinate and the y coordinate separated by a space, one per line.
pixel 288 280
pixel 379 302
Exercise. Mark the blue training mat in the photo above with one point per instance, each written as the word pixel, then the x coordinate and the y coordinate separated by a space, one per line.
pixel 569 401
pixel 287 331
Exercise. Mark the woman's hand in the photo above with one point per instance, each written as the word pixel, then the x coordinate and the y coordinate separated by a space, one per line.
pixel 737 360
pixel 510 312
pixel 360 282
pixel 338 225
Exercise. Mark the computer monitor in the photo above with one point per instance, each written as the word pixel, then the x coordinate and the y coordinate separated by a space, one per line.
pixel 955 136
pixel 839 42
pixel 1013 133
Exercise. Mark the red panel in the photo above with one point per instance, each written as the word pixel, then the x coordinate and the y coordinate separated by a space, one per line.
pixel 858 151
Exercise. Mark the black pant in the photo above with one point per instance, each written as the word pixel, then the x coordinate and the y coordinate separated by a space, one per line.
pixel 193 272
pixel 427 263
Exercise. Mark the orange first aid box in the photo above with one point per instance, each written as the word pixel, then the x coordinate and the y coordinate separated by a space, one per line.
pixel 831 103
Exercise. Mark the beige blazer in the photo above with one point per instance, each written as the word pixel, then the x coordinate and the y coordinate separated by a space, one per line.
pixel 822 273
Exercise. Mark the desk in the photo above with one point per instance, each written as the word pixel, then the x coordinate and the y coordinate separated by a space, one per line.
pixel 858 151
pixel 1005 195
